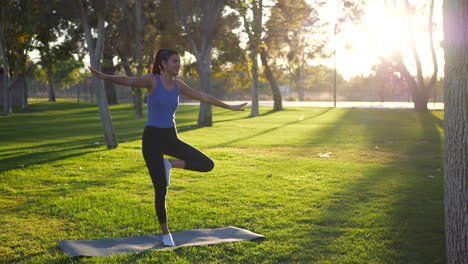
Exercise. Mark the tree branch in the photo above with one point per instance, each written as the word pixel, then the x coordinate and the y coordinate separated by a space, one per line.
pixel 3 48
pixel 433 53
pixel 415 51
pixel 182 17
pixel 101 10
pixel 138 37
pixel 86 29
pixel 210 12
pixel 247 27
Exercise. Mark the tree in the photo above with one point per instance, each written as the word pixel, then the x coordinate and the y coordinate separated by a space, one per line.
pixel 252 13
pixel 292 37
pixel 95 48
pixel 420 91
pixel 56 21
pixel 209 12
pixel 387 78
pixel 133 37
pixel 17 24
pixel 277 101
pixel 66 72
pixel 253 28
pixel 127 40
pixel 107 65
pixel 455 16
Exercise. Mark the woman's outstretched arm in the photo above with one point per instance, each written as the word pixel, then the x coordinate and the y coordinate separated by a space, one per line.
pixel 205 98
pixel 144 81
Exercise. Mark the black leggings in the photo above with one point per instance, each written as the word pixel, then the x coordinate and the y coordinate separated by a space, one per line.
pixel 158 142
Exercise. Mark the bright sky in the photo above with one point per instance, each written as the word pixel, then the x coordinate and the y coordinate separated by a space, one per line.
pixel 360 46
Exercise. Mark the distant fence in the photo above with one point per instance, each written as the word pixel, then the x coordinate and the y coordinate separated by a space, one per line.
pixel 83 92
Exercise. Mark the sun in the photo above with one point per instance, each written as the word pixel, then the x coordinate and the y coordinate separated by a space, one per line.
pixel 387 32
pixel 382 32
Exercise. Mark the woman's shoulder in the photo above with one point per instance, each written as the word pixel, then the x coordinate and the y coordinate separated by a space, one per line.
pixel 149 76
pixel 151 80
pixel 180 83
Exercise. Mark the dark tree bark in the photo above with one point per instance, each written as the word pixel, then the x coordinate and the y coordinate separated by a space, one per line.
pixel 210 11
pixel 277 101
pixel 419 90
pixel 95 52
pixel 455 14
pixel 109 68
pixel 24 103
pixel 254 31
pixel 50 86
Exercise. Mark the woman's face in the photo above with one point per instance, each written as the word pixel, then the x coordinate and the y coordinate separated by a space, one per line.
pixel 172 65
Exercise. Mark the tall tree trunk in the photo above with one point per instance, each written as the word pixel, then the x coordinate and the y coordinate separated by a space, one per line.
pixel 6 68
pixel 210 10
pixel 135 25
pixel 455 15
pixel 6 96
pixel 419 90
pixel 108 68
pixel 277 101
pixel 138 101
pixel 139 57
pixel 433 80
pixel 136 92
pixel 254 110
pixel 78 88
pixel 24 104
pixel 254 31
pixel 301 82
pixel 95 53
pixel 421 99
pixel 50 82
pixel 8 85
pixel 297 81
pixel 8 80
pixel 205 113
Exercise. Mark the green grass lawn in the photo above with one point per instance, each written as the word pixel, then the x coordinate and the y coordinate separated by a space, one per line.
pixel 378 198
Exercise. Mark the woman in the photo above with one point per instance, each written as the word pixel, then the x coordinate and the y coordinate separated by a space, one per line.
pixel 160 135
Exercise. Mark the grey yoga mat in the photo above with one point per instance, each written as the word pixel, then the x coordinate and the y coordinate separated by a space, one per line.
pixel 124 245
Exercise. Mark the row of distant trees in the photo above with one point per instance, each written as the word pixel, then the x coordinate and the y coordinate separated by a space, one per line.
pixel 128 31
pixel 121 37
pixel 318 86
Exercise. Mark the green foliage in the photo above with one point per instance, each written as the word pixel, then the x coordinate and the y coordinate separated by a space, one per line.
pixel 19 20
pixel 378 198
pixel 226 44
pixel 121 32
pixel 66 73
pixel 58 35
pixel 293 32
pixel 227 51
pixel 294 38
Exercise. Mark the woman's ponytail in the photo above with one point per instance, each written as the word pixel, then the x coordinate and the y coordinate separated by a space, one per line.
pixel 159 57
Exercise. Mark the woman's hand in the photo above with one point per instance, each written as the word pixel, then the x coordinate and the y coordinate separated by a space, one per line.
pixel 238 107
pixel 96 73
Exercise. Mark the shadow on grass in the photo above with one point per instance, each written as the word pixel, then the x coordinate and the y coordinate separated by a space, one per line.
pixel 409 199
pixel 58 126
pixel 47 156
pixel 193 126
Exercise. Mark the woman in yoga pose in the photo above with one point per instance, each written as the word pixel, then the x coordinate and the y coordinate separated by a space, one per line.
pixel 160 134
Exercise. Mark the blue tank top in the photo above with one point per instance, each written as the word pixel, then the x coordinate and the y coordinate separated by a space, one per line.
pixel 162 105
